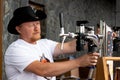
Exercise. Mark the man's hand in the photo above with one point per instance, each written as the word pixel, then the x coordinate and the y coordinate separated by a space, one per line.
pixel 88 59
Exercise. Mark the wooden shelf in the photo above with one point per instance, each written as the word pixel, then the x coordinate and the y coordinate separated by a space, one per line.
pixel 102 68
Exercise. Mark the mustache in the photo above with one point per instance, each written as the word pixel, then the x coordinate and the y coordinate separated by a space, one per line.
pixel 37 32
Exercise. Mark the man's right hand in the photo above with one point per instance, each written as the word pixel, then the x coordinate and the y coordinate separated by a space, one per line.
pixel 88 59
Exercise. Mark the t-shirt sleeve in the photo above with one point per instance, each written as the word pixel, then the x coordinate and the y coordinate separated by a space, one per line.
pixel 18 58
pixel 51 45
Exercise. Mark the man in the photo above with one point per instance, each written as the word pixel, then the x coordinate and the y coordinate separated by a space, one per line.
pixel 30 57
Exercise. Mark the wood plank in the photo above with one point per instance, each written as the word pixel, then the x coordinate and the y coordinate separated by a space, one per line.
pixel 100 70
pixel 113 58
pixel 1 24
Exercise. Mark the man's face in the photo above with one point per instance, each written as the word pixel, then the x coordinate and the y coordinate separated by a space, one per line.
pixel 30 31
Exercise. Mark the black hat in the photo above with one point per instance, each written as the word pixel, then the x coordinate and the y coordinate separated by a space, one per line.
pixel 24 14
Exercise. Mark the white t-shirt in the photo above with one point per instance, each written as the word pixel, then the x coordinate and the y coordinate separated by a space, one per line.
pixel 20 54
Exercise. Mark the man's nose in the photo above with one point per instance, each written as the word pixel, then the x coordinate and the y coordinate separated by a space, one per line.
pixel 36 28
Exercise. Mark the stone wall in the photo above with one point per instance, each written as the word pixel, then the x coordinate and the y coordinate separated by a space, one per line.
pixel 73 10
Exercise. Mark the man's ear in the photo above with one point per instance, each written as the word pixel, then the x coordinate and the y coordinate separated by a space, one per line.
pixel 18 29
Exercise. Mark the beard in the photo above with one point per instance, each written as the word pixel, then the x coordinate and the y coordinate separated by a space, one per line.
pixel 35 38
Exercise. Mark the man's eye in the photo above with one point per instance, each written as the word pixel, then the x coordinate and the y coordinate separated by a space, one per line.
pixel 38 23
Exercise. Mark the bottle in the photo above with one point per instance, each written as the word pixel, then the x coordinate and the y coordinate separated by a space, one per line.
pixel 117 73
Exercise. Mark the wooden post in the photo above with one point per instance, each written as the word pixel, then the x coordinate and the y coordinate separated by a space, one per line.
pixel 1 24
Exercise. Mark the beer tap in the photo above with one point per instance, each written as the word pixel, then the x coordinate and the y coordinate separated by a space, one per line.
pixel 62 32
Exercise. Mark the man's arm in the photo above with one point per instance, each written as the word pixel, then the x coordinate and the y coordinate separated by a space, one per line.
pixel 68 47
pixel 57 68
